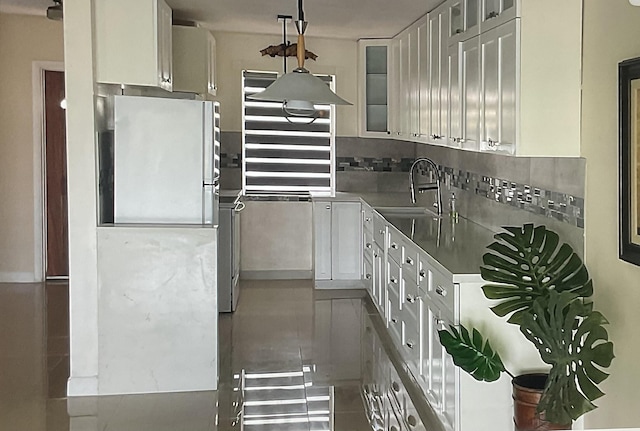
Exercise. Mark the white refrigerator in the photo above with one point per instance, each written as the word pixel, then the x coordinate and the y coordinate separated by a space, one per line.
pixel 166 161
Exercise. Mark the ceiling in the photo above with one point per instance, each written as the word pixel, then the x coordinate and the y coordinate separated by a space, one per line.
pixel 344 19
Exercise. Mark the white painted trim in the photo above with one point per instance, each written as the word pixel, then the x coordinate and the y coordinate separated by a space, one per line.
pixel 17 277
pixel 39 232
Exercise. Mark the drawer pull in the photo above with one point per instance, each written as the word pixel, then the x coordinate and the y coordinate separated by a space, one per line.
pixel 368 276
pixel 411 299
pixel 395 386
pixel 412 421
pixel 409 261
pixel 368 219
pixel 368 245
pixel 328 207
pixel 394 246
pixel 381 231
pixel 423 273
pixel 394 320
pixel 410 344
pixel 441 291
pixel 439 322
pixel 394 280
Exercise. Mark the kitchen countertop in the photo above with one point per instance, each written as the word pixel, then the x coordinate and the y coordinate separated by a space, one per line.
pixel 457 245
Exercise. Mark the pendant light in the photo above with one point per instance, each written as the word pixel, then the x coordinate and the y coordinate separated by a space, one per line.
pixel 299 90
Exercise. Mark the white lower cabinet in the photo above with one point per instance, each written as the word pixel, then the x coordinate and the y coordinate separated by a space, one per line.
pixel 416 297
pixel 337 244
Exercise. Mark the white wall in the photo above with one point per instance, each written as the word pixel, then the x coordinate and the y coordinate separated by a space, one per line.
pixel 23 40
pixel 611 34
pixel 238 51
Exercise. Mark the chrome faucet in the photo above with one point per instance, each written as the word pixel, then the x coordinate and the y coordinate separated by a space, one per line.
pixel 421 188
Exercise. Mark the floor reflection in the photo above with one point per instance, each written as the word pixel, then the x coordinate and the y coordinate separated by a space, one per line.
pixel 291 359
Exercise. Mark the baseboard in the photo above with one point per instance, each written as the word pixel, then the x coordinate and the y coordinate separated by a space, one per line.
pixel 280 274
pixel 339 284
pixel 82 386
pixel 17 277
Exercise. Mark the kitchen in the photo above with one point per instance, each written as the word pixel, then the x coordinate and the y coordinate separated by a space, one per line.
pixel 341 60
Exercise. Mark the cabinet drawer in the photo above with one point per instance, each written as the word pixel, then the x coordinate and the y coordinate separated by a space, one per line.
pixel 410 262
pixel 393 277
pixel 379 229
pixel 395 244
pixel 441 290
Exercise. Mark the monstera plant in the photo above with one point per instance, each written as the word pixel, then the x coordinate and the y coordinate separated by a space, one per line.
pixel 544 287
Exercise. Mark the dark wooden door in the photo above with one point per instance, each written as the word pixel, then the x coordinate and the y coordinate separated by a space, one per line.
pixel 57 240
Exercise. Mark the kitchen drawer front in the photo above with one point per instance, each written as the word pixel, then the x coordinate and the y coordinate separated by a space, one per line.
pixel 395 244
pixel 379 229
pixel 410 261
pixel 411 338
pixel 393 278
pixel 442 291
pixel 394 320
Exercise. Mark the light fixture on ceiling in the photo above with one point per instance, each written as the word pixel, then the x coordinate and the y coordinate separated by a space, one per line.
pixel 299 90
pixel 55 12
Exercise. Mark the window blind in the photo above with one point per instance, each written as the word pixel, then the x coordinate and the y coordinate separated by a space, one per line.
pixel 280 155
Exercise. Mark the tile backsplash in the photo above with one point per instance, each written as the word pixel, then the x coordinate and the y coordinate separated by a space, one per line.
pixel 491 189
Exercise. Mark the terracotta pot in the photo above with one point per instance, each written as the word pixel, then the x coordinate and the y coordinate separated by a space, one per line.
pixel 527 391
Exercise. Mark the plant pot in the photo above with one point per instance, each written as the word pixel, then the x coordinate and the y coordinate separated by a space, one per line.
pixel 527 391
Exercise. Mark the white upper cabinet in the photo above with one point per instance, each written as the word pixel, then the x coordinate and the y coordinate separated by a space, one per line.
pixel 455 95
pixel 131 50
pixel 405 85
pixel 498 58
pixel 470 89
pixel 464 19
pixel 497 12
pixel 437 64
pixel 374 65
pixel 395 106
pixel 194 60
pixel 413 72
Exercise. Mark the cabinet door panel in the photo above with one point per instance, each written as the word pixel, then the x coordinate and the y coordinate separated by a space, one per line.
pixel 489 55
pixel 211 66
pixel 394 89
pixel 405 85
pixel 508 37
pixel 414 80
pixel 322 240
pixel 470 86
pixel 424 88
pixel 346 249
pixel 165 46
pixel 433 63
pixel 455 102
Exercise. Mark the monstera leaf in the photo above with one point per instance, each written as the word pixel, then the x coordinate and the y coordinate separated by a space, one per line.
pixel 472 354
pixel 569 335
pixel 525 263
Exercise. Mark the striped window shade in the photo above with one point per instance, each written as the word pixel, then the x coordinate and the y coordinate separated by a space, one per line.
pixel 285 156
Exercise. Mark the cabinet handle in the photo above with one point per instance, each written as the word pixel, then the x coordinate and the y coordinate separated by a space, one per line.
pixel 409 261
pixel 423 273
pixel 375 255
pixel 411 299
pixel 393 280
pixel 368 276
pixel 410 344
pixel 434 136
pixel 394 320
pixel 394 246
pixel 368 245
pixel 381 231
pixel 439 322
pixel 395 386
pixel 492 14
pixel 368 219
pixel 492 144
pixel 441 291
pixel 328 207
pixel 412 421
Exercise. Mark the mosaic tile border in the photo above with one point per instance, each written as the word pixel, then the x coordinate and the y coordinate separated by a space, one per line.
pixel 561 206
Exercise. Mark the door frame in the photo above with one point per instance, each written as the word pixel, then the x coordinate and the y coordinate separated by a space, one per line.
pixel 38 69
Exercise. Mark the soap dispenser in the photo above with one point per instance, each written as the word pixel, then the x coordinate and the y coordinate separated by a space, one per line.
pixel 453 212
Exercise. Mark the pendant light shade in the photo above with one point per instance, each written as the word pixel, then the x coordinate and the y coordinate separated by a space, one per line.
pixel 300 85
pixel 299 90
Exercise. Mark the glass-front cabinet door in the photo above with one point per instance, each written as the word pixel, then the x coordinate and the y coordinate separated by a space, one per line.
pixel 373 92
pixel 497 12
pixel 464 20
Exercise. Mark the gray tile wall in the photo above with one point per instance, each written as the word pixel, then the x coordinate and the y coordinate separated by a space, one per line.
pixel 492 189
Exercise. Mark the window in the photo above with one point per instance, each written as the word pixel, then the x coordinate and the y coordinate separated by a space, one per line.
pixel 283 155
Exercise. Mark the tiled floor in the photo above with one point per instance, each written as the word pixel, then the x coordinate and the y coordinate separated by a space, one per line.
pixel 291 358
